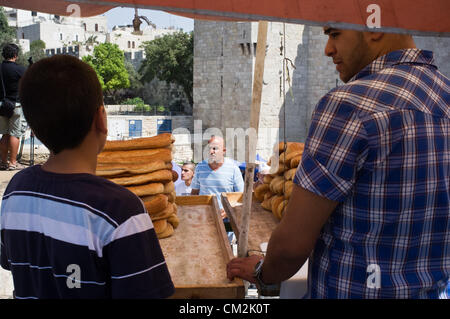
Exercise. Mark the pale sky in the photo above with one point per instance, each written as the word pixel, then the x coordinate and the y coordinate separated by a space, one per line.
pixel 124 16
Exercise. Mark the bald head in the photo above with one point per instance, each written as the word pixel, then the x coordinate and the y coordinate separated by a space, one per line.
pixel 217 149
pixel 217 140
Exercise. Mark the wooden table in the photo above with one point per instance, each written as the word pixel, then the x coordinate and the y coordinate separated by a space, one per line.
pixel 198 251
pixel 262 222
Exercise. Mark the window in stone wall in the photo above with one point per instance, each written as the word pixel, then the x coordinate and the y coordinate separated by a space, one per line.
pixel 96 27
pixel 242 48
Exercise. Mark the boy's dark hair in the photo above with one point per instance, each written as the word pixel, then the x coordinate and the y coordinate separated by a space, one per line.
pixel 10 51
pixel 59 97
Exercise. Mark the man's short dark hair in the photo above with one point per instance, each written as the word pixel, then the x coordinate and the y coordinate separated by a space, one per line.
pixel 10 51
pixel 59 97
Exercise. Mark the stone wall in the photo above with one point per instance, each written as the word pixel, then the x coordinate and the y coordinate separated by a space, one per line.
pixel 224 55
pixel 441 50
pixel 118 128
pixel 222 73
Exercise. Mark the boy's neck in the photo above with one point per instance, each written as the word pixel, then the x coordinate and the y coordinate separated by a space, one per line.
pixel 71 162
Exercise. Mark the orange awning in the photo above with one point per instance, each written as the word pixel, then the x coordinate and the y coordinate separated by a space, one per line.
pixel 424 17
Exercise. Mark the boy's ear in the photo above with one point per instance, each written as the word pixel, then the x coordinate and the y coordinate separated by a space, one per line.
pixel 100 120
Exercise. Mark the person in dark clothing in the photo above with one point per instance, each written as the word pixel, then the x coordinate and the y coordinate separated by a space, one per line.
pixel 13 128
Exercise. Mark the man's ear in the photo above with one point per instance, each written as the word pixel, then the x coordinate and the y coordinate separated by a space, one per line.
pixel 375 36
pixel 101 124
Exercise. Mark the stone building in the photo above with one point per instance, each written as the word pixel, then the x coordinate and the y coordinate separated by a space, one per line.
pixel 224 56
pixel 132 42
pixel 62 35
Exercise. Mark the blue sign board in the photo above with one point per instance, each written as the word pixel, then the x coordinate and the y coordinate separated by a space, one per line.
pixel 164 126
pixel 135 128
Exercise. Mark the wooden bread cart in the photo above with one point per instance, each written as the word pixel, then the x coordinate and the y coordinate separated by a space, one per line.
pixel 261 224
pixel 198 251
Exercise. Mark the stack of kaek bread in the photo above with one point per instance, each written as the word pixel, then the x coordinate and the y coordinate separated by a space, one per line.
pixel 144 166
pixel 276 190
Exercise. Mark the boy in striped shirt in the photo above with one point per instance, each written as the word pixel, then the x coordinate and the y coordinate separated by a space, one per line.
pixel 66 233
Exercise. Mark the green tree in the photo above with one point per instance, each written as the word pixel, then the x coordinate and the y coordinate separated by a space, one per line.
pixel 139 104
pixel 170 59
pixel 134 77
pixel 108 62
pixel 7 33
pixel 37 50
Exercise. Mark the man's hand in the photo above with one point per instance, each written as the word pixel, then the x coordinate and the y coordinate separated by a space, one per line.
pixel 292 241
pixel 223 213
pixel 243 268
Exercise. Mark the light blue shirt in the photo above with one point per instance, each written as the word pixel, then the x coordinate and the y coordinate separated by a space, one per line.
pixel 227 178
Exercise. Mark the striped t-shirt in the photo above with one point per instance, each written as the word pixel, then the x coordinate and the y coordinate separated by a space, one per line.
pixel 79 236
pixel 227 178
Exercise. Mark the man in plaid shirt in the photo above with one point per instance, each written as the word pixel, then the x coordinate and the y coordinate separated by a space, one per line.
pixel 371 201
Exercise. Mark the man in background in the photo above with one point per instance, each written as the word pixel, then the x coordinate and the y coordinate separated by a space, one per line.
pixel 218 174
pixel 187 174
pixel 13 128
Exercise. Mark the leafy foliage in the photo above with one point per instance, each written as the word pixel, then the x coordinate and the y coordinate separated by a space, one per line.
pixel 133 76
pixel 7 33
pixel 37 50
pixel 108 62
pixel 170 59
pixel 140 106
pixel 134 101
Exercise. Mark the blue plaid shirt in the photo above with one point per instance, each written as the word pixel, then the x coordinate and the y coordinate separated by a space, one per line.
pixel 380 145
